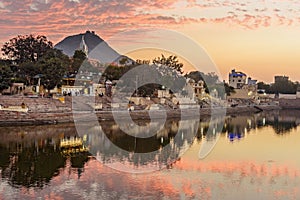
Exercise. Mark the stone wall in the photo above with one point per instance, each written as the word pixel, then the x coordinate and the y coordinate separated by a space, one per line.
pixel 52 111
pixel 289 103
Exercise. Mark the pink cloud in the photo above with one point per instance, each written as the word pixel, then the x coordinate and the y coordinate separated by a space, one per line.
pixel 57 19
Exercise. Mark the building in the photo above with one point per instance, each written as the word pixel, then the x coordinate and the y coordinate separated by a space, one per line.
pixel 198 88
pixel 16 88
pixel 298 93
pixel 252 82
pixel 245 88
pixel 237 79
pixel 74 85
pixel 108 88
pixel 281 79
pixel 164 93
pixel 83 46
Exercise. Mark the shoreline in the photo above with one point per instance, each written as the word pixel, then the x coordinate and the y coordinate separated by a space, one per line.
pixel 44 111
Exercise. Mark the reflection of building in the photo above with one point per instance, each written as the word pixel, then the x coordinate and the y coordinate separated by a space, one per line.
pixel 22 170
pixel 72 146
pixel 235 136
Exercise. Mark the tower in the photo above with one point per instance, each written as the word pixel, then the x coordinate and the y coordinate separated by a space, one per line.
pixel 83 46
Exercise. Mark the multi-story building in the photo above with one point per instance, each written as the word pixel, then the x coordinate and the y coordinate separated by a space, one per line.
pixel 245 88
pixel 237 79
pixel 281 79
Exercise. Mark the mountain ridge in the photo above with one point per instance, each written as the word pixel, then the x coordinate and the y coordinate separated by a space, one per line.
pixel 97 48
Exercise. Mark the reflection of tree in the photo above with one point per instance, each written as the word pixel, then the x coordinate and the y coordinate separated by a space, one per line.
pixel 283 127
pixel 210 128
pixel 35 166
pixel 136 144
pixel 4 158
pixel 78 161
pixel 160 149
pixel 31 168
pixel 236 126
pixel 282 122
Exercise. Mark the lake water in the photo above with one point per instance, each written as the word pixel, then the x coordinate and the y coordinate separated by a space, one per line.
pixel 247 157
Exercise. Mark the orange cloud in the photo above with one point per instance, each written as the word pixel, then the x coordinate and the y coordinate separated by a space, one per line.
pixel 57 19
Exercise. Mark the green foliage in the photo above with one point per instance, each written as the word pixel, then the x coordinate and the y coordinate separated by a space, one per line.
pixel 208 79
pixel 26 71
pixel 142 62
pixel 228 89
pixel 78 58
pixel 171 61
pixel 123 61
pixel 26 48
pixel 87 66
pixel 283 87
pixel 6 76
pixel 35 55
pixel 211 81
pixel 148 89
pixel 113 72
pixel 53 66
pixel 264 86
pixel 211 78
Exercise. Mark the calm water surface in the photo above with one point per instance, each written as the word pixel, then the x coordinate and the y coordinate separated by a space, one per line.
pixel 255 157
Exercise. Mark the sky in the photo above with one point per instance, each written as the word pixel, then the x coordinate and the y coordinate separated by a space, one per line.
pixel 258 37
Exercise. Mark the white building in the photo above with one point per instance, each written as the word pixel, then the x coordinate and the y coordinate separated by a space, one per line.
pixel 244 88
pixel 237 79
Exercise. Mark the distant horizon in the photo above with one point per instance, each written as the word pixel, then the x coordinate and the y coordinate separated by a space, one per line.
pixel 180 59
pixel 259 38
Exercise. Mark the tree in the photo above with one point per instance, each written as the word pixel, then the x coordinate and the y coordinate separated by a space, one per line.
pixel 123 60
pixel 78 58
pixel 211 78
pixel 6 76
pixel 113 72
pixel 284 87
pixel 263 86
pixel 228 89
pixel 26 48
pixel 195 75
pixel 171 61
pixel 53 66
pixel 211 81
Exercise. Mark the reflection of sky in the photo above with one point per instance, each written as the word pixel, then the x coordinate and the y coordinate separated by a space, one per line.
pixel 264 166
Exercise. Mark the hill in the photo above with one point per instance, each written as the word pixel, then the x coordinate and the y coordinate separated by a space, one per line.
pixel 95 46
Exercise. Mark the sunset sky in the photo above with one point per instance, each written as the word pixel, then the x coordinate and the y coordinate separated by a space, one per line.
pixel 258 37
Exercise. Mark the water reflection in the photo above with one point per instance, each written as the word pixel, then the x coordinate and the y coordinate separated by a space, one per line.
pixel 32 157
pixel 110 145
pixel 282 122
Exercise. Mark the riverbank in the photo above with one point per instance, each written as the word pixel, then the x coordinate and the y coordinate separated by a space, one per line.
pixel 53 111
